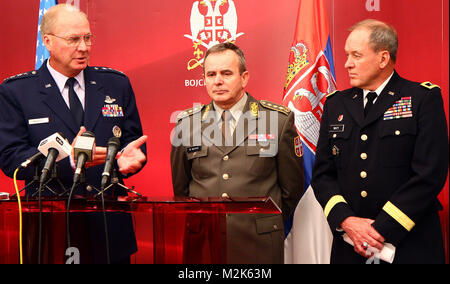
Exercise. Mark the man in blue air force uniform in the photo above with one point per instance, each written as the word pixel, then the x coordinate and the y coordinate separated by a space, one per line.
pixel 66 95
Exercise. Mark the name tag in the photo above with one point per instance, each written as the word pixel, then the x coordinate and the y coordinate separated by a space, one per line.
pixel 337 128
pixel 38 120
pixel 194 149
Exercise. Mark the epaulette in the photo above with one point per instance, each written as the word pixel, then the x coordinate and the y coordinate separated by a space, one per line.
pixel 189 112
pixel 331 94
pixel 429 85
pixel 277 107
pixel 107 69
pixel 21 76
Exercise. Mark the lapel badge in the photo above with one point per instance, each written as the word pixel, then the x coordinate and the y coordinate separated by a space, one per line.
pixel 93 83
pixel 391 93
pixel 335 150
pixel 117 132
pixel 109 100
pixel 341 117
pixel 355 96
pixel 254 109
pixel 48 86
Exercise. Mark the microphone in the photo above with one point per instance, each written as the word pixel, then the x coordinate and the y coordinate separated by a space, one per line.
pixel 113 148
pixel 33 159
pixel 55 148
pixel 83 149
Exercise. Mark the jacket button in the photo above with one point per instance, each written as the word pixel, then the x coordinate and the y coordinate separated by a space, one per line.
pixel 397 132
pixel 363 156
pixel 225 176
pixel 334 135
pixel 363 194
pixel 226 158
pixel 363 174
pixel 364 137
pixel 225 195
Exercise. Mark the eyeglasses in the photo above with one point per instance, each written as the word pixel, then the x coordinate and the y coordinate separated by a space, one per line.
pixel 75 40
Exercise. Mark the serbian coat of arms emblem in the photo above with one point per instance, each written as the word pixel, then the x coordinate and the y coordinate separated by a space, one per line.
pixel 212 22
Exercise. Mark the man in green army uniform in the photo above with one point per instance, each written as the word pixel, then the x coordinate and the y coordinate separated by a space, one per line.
pixel 238 146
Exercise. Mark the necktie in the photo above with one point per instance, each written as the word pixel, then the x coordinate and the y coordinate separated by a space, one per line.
pixel 370 98
pixel 75 105
pixel 226 136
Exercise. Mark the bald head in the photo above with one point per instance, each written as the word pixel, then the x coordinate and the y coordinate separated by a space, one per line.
pixel 54 14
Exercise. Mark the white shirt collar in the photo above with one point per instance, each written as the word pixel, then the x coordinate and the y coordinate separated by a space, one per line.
pixel 380 88
pixel 61 79
pixel 236 110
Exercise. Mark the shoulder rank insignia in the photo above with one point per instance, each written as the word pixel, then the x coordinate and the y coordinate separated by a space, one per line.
pixel 21 76
pixel 331 94
pixel 276 107
pixel 429 85
pixel 189 112
pixel 107 69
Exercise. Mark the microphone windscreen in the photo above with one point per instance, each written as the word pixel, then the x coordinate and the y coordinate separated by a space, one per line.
pixel 58 142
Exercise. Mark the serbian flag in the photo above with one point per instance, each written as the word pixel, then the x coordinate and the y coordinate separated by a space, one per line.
pixel 41 51
pixel 310 77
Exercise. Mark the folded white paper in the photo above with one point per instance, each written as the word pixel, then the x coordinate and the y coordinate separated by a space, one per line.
pixel 386 254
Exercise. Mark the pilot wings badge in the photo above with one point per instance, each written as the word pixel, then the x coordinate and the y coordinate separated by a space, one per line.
pixel 210 27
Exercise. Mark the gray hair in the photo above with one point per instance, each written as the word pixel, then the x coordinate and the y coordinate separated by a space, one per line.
pixel 222 47
pixel 382 36
pixel 51 16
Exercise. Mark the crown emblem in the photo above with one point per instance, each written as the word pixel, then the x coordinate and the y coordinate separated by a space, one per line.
pixel 298 60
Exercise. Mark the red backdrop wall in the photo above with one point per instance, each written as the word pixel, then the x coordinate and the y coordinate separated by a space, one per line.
pixel 145 39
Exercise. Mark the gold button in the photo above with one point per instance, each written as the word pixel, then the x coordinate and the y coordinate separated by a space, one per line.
pixel 225 195
pixel 364 194
pixel 226 176
pixel 364 137
pixel 363 174
pixel 334 135
pixel 363 156
pixel 275 227
pixel 226 158
pixel 397 132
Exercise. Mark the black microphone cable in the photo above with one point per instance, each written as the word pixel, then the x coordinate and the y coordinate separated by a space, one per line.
pixel 40 221
pixel 108 257
pixel 67 214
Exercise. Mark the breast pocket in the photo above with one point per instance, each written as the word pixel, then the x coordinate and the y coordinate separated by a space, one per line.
pixel 260 158
pixel 198 156
pixel 340 148
pixel 397 141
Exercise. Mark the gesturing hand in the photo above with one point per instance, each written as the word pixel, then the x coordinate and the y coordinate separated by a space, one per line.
pixel 131 159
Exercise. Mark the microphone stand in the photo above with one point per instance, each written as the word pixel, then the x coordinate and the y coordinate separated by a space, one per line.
pixel 115 182
pixel 54 176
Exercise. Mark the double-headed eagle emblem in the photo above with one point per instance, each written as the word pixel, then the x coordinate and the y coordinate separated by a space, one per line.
pixel 212 28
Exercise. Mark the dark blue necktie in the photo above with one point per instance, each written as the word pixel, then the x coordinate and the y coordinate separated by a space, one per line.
pixel 370 98
pixel 75 105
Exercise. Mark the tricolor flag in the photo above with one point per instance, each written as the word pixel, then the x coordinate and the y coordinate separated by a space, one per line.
pixel 41 51
pixel 310 77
